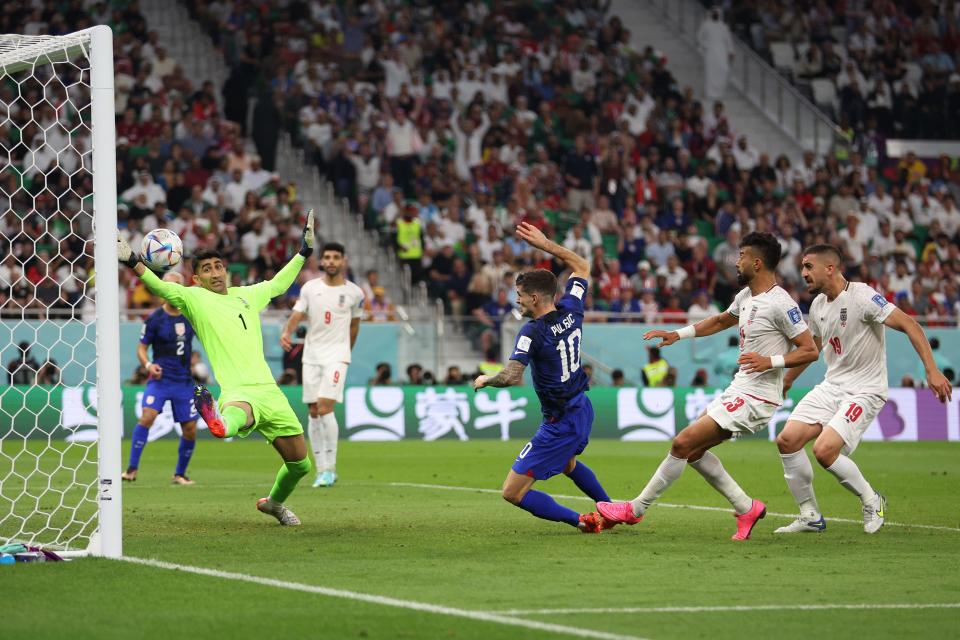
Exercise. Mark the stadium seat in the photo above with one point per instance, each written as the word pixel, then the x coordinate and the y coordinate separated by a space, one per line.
pixel 824 93
pixel 784 57
pixel 610 245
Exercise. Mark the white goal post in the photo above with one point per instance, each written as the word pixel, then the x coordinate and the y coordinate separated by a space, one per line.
pixel 59 485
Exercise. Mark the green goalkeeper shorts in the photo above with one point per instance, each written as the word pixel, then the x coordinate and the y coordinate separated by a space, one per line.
pixel 273 416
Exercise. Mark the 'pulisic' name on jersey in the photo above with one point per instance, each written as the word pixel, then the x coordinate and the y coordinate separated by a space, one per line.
pixel 563 325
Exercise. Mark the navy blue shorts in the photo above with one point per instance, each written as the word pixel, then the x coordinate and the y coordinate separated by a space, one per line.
pixel 180 395
pixel 557 441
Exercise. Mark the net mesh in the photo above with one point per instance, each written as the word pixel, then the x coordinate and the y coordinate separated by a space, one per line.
pixel 48 449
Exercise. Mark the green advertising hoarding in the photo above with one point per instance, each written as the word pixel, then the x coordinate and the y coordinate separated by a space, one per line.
pixel 432 413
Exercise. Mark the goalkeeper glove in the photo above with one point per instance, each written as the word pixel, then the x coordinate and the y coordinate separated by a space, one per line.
pixel 126 254
pixel 306 243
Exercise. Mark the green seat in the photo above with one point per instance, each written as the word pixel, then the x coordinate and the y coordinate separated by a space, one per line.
pixel 610 245
pixel 239 267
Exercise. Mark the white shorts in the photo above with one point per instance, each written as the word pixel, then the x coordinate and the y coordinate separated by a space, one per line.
pixel 849 414
pixel 739 412
pixel 324 381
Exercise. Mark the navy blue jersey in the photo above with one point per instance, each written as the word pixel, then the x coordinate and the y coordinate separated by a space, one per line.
pixel 550 345
pixel 171 338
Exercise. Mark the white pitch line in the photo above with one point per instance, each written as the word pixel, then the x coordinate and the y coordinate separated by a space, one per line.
pixel 696 507
pixel 730 608
pixel 483 616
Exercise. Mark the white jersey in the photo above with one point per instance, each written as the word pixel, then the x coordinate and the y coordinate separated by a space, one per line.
pixel 768 324
pixel 329 313
pixel 854 344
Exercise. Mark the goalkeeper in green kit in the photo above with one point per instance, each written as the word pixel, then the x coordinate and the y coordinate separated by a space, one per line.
pixel 227 321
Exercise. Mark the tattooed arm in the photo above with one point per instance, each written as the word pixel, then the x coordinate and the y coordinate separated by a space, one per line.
pixel 511 375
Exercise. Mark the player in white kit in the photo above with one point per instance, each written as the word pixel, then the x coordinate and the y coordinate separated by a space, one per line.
pixel 332 307
pixel 770 322
pixel 847 320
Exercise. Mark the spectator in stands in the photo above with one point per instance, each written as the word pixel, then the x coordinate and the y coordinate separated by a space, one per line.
pixel 716 47
pixel 23 369
pixel 655 371
pixel 616 378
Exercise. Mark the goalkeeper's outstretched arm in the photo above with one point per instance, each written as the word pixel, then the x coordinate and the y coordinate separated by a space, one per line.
pixel 577 264
pixel 279 283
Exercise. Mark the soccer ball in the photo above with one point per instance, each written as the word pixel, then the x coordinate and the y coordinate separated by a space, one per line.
pixel 161 250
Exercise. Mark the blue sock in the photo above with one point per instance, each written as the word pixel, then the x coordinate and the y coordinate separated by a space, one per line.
pixel 543 506
pixel 183 455
pixel 586 481
pixel 137 444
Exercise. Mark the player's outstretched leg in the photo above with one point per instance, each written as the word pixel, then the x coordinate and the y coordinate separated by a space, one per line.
pixel 290 473
pixel 586 480
pixel 517 491
pixel 828 452
pixel 203 400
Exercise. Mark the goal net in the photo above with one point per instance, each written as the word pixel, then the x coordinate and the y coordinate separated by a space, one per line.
pixel 60 413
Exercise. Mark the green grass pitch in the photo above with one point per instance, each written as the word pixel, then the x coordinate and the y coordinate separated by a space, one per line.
pixel 470 550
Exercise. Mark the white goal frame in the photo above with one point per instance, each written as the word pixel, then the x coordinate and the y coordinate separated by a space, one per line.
pixel 18 53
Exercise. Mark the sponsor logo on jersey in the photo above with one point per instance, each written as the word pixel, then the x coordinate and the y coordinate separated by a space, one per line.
pixel 180 328
pixel 343 299
pixel 843 316
pixel 577 290
pixel 753 314
pixel 794 315
pixel 245 303
pixel 880 300
pixel 523 344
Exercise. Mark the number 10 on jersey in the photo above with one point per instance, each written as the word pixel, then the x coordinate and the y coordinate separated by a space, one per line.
pixel 569 354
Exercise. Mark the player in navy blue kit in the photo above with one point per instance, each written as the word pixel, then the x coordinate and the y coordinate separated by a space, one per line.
pixel 171 337
pixel 550 344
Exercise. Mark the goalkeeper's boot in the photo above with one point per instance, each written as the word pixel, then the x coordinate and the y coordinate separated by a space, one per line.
pixel 278 511
pixel 874 514
pixel 206 407
pixel 590 523
pixel 804 524
pixel 130 475
pixel 182 480
pixel 618 513
pixel 747 521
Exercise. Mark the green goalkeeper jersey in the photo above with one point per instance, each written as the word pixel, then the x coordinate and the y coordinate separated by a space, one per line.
pixel 229 325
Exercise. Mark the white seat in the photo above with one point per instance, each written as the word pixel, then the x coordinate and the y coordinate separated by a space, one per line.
pixel 783 56
pixel 824 93
pixel 913 76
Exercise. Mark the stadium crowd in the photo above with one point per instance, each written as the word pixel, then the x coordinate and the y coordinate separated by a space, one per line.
pixel 445 124
pixel 884 65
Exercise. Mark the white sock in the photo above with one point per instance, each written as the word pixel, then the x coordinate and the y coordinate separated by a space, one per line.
pixel 848 473
pixel 315 431
pixel 798 472
pixel 710 467
pixel 665 475
pixel 330 434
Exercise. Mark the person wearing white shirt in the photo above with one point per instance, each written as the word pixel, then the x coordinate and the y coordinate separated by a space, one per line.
pixel 673 272
pixel 850 74
pixel 576 242
pixel 256 177
pixel 923 206
pixel 252 241
pixel 853 240
pixel 395 73
pixel 469 139
pixel 145 186
pixel 900 217
pixel 235 192
pixel 490 244
pixel 701 308
pixel 745 155
pixel 883 243
pixel 869 222
pixel 950 216
pixel 880 202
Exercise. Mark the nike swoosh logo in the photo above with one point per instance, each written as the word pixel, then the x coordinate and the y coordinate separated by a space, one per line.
pixel 880 513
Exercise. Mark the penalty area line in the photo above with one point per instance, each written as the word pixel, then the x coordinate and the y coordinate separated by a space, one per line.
pixel 482 616
pixel 670 505
pixel 731 608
